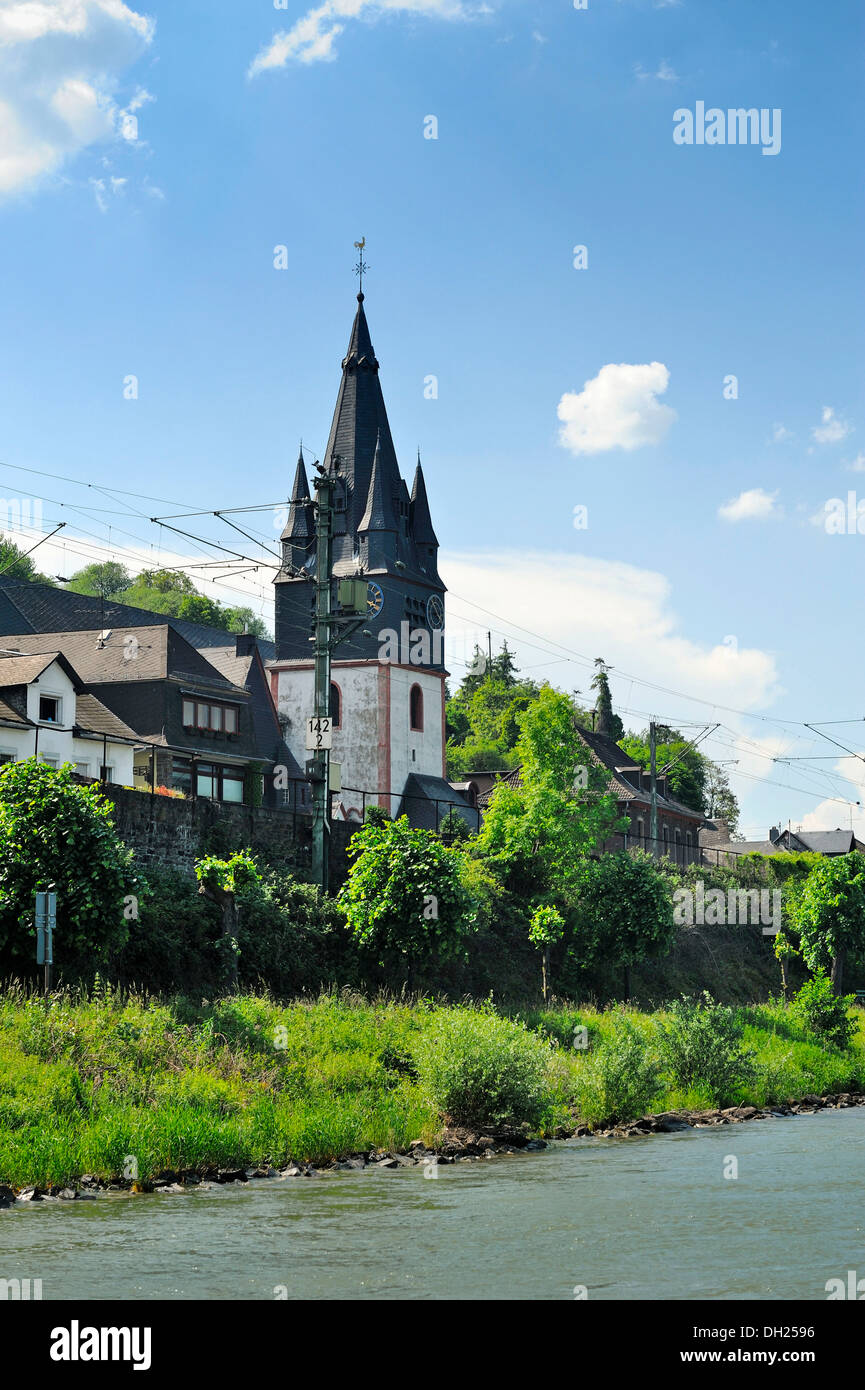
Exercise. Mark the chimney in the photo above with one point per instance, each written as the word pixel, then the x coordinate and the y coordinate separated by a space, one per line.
pixel 774 834
pixel 244 644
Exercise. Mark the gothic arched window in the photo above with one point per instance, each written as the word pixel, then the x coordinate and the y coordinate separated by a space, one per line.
pixel 415 700
pixel 335 705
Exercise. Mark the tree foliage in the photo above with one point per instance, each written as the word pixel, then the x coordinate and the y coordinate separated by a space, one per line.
pixel 164 591
pixel 828 913
pixel 538 833
pixel 624 910
pixel 17 564
pixel 405 896
pixel 52 830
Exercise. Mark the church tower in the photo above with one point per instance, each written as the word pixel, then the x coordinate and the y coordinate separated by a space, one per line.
pixel 387 691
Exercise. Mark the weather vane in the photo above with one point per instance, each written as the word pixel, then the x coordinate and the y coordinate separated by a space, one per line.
pixel 361 267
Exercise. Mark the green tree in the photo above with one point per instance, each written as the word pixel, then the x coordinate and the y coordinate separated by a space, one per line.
pixel 220 880
pixel 829 914
pixel 405 897
pixel 719 800
pixel 545 929
pixel 624 912
pixel 606 719
pixel 108 580
pixel 53 830
pixel 17 564
pixel 539 832
pixel 173 592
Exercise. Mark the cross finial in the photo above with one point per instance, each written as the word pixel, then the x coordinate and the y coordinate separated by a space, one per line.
pixel 361 268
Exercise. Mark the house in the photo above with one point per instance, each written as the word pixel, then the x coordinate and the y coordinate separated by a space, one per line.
pixel 716 838
pixel 46 712
pixel 678 824
pixel 200 729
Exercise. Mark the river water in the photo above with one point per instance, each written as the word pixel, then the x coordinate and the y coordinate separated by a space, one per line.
pixel 651 1218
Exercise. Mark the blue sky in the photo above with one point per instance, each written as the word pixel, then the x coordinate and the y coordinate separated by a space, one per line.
pixel 149 251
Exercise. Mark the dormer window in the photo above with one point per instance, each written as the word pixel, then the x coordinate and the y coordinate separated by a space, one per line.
pixel 50 709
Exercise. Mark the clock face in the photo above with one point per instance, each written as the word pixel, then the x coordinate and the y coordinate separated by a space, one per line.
pixel 374 599
pixel 435 611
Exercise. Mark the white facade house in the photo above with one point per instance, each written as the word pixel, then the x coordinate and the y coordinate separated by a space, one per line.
pixel 46 713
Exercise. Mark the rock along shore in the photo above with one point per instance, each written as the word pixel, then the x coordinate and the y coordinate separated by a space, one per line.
pixel 458 1145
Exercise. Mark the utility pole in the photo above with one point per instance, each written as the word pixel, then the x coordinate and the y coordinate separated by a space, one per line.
pixel 653 792
pixel 353 606
pixel 320 763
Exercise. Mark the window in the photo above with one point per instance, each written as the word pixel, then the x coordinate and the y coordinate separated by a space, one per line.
pixel 678 846
pixel 49 709
pixel 6 756
pixel 666 839
pixel 335 706
pixel 83 769
pixel 218 719
pixel 217 783
pixel 106 773
pixel 416 708
pixel 640 831
pixel 49 762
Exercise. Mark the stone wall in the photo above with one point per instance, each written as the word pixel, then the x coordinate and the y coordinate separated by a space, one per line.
pixel 170 832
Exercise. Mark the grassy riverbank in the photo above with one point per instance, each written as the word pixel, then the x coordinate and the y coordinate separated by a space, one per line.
pixel 85 1083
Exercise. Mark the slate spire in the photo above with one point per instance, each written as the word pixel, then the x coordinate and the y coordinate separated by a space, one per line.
pixel 379 514
pixel 419 513
pixel 299 524
pixel 360 424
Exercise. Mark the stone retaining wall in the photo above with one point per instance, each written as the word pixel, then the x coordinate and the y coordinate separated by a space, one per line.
pixel 170 832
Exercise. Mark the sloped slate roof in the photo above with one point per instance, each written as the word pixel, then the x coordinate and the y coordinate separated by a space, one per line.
pixel 8 715
pixel 427 800
pixel 21 670
pixel 129 654
pixel 26 607
pixel 826 841
pixel 92 717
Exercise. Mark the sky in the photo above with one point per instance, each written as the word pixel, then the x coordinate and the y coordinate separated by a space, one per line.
pixel 632 363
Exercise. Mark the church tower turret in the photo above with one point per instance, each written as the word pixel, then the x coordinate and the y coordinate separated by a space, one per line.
pixel 387 695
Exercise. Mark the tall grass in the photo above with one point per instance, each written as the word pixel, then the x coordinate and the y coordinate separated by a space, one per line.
pixel 89 1081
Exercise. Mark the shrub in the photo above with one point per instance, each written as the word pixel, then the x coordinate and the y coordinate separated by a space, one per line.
pixel 481 1070
pixel 701 1046
pixel 823 1012
pixel 53 830
pixel 620 1080
pixel 404 897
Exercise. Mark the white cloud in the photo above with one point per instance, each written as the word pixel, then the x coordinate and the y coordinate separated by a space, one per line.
pixel 596 608
pixel 780 433
pixel 311 39
pixel 857 465
pixel 752 505
pixel 664 73
pixel 833 814
pixel 832 430
pixel 617 409
pixel 60 61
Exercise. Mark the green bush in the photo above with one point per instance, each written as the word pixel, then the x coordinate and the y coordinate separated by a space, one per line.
pixel 620 1080
pixel 701 1047
pixel 55 832
pixel 482 1070
pixel 824 1013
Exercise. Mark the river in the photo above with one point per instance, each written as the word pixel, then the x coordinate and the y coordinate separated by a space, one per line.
pixel 651 1218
